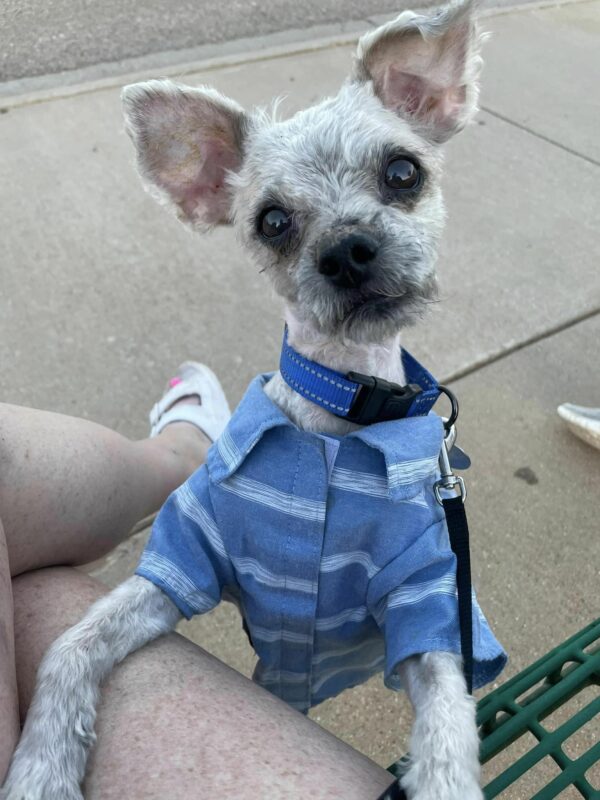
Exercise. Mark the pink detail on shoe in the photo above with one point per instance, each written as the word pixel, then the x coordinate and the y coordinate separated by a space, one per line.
pixel 174 381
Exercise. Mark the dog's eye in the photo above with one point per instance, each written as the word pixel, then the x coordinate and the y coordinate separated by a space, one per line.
pixel 401 173
pixel 274 222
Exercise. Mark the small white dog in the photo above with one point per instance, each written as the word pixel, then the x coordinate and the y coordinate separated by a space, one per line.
pixel 325 532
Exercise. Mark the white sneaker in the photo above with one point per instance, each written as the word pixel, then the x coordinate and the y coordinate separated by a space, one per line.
pixel 584 422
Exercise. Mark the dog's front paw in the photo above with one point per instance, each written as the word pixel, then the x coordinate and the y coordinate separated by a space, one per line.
pixel 38 780
pixel 439 781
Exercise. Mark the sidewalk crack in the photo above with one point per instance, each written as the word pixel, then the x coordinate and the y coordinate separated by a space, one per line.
pixel 542 136
pixel 492 358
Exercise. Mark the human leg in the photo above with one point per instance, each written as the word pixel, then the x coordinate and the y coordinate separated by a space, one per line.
pixel 176 722
pixel 9 709
pixel 70 490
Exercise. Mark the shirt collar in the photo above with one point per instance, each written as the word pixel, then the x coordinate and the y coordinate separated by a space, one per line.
pixel 410 446
pixel 255 415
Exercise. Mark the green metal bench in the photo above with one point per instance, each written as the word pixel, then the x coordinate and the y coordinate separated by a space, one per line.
pixel 520 706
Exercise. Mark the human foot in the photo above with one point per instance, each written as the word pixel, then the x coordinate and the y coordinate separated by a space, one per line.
pixel 191 414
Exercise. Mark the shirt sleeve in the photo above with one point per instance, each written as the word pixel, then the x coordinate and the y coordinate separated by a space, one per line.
pixel 414 602
pixel 185 555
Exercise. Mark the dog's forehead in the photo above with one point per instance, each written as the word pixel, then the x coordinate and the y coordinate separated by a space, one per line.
pixel 341 137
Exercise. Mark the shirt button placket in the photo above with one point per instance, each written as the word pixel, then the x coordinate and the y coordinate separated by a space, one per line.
pixel 312 483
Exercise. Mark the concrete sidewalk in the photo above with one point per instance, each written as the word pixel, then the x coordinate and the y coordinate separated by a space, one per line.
pixel 102 294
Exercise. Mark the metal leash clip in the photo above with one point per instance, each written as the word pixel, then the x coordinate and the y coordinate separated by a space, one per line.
pixel 448 480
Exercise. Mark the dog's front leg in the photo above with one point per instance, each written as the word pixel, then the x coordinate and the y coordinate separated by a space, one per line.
pixel 49 763
pixel 444 744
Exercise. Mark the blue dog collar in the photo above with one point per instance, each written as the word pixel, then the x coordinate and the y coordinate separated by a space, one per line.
pixel 363 399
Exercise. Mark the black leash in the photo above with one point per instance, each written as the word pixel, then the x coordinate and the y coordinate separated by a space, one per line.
pixel 458 531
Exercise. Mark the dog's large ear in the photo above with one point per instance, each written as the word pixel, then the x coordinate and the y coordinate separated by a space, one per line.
pixel 187 140
pixel 425 68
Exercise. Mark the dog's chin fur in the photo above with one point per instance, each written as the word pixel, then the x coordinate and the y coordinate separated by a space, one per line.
pixel 370 317
pixel 377 317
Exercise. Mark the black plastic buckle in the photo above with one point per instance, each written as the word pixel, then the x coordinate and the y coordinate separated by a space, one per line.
pixel 380 401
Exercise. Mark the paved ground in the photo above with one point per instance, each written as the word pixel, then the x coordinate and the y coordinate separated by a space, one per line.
pixel 40 38
pixel 103 293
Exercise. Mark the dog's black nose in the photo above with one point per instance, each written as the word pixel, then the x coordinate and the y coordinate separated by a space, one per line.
pixel 346 263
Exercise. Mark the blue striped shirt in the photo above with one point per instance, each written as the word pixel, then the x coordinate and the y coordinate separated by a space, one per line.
pixel 336 551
